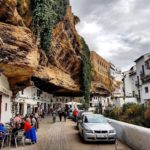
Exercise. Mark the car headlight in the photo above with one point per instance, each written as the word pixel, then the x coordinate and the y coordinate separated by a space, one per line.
pixel 88 131
pixel 112 131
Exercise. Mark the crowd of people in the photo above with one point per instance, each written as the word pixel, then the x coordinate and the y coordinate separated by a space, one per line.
pixel 64 112
pixel 29 124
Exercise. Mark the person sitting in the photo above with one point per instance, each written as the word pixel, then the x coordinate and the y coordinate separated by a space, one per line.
pixel 30 132
pixel 2 130
pixel 17 119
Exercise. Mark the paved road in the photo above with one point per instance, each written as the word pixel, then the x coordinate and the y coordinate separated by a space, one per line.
pixel 64 136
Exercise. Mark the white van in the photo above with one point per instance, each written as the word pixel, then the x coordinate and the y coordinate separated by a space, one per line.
pixel 72 106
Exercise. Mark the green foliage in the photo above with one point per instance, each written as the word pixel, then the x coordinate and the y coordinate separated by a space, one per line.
pixel 147 118
pixel 132 109
pixel 86 72
pixel 131 113
pixel 114 114
pixel 46 14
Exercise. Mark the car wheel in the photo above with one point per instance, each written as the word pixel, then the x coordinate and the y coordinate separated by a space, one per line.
pixel 83 137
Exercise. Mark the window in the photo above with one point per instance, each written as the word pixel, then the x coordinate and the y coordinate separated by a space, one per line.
pixel 39 92
pixel 143 70
pixel 146 89
pixel 5 106
pixel 133 93
pixel 22 92
pixel 147 65
pixel 138 80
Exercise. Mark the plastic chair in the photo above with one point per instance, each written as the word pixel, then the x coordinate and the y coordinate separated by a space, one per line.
pixel 19 137
pixel 2 138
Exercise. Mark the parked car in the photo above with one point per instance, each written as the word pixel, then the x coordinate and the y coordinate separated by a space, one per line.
pixel 94 127
pixel 81 114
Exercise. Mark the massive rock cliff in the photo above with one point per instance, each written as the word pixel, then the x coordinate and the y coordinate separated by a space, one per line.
pixel 21 59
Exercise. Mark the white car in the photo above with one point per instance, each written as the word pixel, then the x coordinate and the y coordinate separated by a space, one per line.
pixel 81 114
pixel 94 127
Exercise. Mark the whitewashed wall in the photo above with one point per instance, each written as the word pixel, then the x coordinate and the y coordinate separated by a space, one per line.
pixel 138 138
pixel 6 100
pixel 128 84
pixel 6 114
pixel 145 96
pixel 120 101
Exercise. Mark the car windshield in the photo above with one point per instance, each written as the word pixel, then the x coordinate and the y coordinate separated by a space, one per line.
pixel 95 119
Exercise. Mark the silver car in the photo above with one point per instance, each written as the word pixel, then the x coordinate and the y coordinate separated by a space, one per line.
pixel 80 116
pixel 94 127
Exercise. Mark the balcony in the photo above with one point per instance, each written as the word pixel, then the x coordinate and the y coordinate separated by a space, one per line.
pixel 145 78
pixel 132 72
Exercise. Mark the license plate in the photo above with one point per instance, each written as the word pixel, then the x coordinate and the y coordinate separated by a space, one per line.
pixel 101 135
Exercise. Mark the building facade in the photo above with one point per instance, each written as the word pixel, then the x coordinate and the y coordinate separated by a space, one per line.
pixel 136 81
pixel 31 99
pixel 143 77
pixel 5 99
pixel 110 78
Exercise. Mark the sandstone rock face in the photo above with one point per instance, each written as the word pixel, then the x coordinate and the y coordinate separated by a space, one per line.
pixel 101 82
pixel 16 12
pixel 19 55
pixel 66 47
pixel 22 61
pixel 64 59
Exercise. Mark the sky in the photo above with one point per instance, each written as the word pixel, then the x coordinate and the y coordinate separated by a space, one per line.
pixel 118 30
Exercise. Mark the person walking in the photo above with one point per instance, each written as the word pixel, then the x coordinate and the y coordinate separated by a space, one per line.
pixel 75 113
pixel 54 116
pixel 33 121
pixel 60 113
pixel 36 115
pixel 65 115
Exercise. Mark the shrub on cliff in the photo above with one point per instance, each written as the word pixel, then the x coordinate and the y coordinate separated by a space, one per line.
pixel 46 14
pixel 86 72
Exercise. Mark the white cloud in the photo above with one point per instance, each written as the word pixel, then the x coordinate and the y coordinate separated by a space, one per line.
pixel 117 29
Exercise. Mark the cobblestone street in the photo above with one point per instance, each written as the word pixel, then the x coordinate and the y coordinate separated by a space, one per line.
pixel 64 136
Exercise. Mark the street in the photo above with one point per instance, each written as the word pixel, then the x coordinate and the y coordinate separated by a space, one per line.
pixel 64 136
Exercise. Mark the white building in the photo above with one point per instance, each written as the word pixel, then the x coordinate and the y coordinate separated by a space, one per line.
pixel 143 77
pixel 30 100
pixel 5 99
pixel 99 102
pixel 136 81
